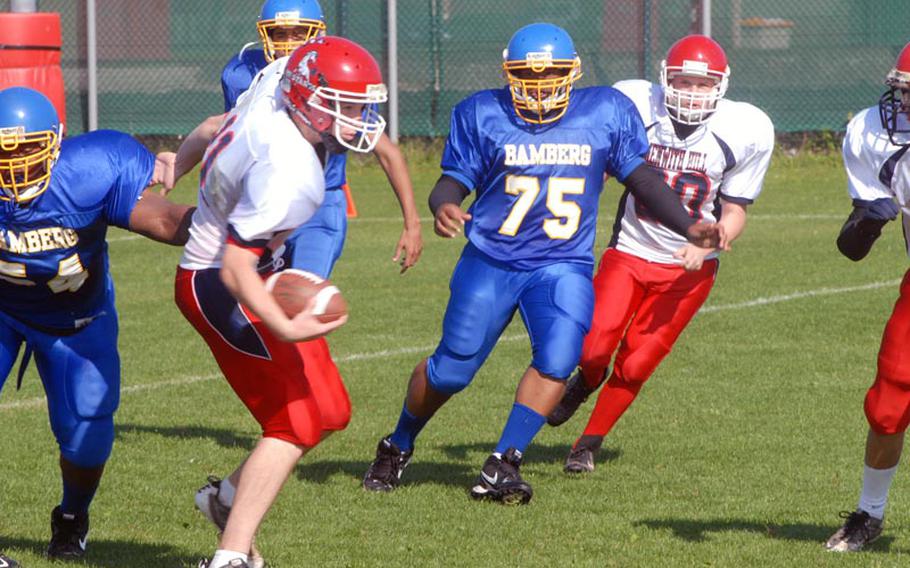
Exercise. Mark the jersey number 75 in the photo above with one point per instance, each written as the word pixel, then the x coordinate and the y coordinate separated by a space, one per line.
pixel 567 213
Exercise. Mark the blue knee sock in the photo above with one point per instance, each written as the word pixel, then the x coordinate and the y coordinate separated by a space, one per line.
pixel 408 428
pixel 76 499
pixel 522 426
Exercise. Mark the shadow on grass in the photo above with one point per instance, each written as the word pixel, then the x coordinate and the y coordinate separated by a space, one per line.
pixel 691 530
pixel 221 436
pixel 417 473
pixel 537 453
pixel 109 553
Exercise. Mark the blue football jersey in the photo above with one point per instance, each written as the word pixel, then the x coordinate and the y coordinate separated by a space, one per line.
pixel 237 77
pixel 538 185
pixel 53 256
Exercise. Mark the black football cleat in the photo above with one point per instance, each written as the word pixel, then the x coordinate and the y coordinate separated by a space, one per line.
pixel 69 534
pixel 500 480
pixel 577 391
pixel 859 530
pixel 7 562
pixel 581 456
pixel 385 472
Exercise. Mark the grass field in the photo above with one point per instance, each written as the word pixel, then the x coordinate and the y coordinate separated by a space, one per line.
pixel 740 451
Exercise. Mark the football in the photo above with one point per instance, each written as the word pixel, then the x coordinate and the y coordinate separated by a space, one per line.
pixel 298 290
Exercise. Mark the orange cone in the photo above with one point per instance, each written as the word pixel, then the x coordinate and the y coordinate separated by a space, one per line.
pixel 352 209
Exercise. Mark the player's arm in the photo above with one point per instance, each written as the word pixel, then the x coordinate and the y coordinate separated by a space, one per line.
pixel 649 188
pixel 445 204
pixel 238 272
pixel 864 226
pixel 160 219
pixel 192 150
pixel 410 244
pixel 733 222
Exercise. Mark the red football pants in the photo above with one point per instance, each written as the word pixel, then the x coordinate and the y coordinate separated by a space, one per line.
pixel 888 400
pixel 646 305
pixel 294 390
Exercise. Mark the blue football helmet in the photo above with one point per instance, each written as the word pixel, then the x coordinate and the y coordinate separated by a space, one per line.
pixel 30 134
pixel 285 25
pixel 541 66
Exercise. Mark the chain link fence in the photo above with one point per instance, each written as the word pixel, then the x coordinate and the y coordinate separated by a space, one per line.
pixel 810 64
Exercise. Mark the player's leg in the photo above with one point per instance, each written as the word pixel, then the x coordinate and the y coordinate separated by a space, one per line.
pixel 672 299
pixel 317 244
pixel 617 294
pixel 81 377
pixel 887 408
pixel 269 377
pixel 481 305
pixel 10 341
pixel 556 305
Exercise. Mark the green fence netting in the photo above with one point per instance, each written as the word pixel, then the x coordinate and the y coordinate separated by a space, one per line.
pixel 809 63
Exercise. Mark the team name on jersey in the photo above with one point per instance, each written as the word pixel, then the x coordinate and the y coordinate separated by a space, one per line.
pixel 676 159
pixel 38 240
pixel 548 154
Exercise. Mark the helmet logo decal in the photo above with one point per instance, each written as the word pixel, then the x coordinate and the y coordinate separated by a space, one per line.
pixel 307 67
pixel 695 67
pixel 288 18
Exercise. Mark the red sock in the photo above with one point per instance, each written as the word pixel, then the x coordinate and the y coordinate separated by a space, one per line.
pixel 615 397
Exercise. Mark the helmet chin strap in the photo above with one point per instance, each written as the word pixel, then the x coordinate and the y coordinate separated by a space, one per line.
pixel 331 143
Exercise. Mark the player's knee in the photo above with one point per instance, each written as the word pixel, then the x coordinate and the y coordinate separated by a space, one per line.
pixel 637 366
pixel 556 364
pixel 337 416
pixel 88 442
pixel 887 405
pixel 448 375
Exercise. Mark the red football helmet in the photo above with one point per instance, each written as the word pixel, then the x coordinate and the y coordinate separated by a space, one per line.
pixel 694 56
pixel 325 74
pixel 894 106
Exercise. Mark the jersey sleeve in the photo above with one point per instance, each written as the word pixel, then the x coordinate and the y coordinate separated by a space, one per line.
pixel 743 182
pixel 629 140
pixel 462 158
pixel 269 193
pixel 232 82
pixel 132 168
pixel 861 164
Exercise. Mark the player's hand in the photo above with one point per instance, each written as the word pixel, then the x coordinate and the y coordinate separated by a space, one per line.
pixel 304 327
pixel 708 235
pixel 883 209
pixel 164 172
pixel 409 247
pixel 450 219
pixel 692 257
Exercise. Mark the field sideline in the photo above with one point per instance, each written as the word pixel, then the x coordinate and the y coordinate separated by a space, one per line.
pixel 740 451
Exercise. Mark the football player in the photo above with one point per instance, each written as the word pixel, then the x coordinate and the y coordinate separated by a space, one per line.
pixel 713 153
pixel 284 25
pixel 536 153
pixel 262 176
pixel 878 173
pixel 56 293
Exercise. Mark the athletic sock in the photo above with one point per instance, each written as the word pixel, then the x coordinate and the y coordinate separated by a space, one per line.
pixel 76 500
pixel 522 426
pixel 876 483
pixel 409 426
pixel 222 557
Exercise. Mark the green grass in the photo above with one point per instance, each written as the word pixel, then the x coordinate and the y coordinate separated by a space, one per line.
pixel 740 451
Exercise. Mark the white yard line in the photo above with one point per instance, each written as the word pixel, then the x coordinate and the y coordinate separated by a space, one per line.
pixel 388 353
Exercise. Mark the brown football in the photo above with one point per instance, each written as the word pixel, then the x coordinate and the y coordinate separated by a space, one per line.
pixel 298 290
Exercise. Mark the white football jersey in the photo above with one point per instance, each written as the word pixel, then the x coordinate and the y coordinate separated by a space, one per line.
pixel 259 176
pixel 725 158
pixel 876 168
